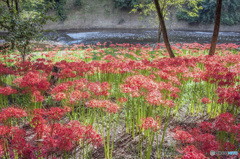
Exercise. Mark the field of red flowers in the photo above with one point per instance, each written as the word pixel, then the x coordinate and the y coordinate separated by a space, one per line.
pixel 121 101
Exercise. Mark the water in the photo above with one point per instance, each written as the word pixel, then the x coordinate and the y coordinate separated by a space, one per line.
pixel 139 36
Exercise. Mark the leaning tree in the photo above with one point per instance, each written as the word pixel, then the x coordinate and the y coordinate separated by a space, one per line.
pixel 216 27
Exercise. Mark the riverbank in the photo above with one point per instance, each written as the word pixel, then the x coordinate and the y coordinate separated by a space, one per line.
pixel 106 16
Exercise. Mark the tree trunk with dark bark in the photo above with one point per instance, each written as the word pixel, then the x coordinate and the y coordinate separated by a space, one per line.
pixel 216 27
pixel 164 30
pixel 159 33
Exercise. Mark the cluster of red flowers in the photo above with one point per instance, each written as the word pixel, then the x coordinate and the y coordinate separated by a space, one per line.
pixel 78 90
pixel 6 91
pixel 149 123
pixel 205 100
pixel 105 105
pixel 139 85
pixel 51 137
pixel 202 138
pixel 10 113
pixel 229 95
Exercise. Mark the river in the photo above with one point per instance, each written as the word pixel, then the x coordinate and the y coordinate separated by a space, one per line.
pixel 142 36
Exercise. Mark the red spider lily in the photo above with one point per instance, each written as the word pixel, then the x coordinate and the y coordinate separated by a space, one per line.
pixel 113 108
pixel 169 103
pixel 60 96
pixel 19 144
pixel 94 138
pixel 229 146
pixel 206 126
pixel 230 95
pixel 193 155
pixel 236 131
pixel 11 112
pixel 224 122
pixel 40 126
pixel 4 130
pixel 191 152
pixel 154 98
pixel 122 100
pixel 99 88
pixel 56 113
pixel 205 100
pixel 37 97
pixel 43 85
pixel 7 91
pixel 216 73
pixel 206 142
pixel 105 105
pixel 39 112
pixel 80 84
pixel 183 136
pixel 63 87
pixel 5 70
pixel 149 123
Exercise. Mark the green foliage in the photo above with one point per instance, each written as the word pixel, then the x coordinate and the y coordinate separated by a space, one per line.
pixel 147 7
pixel 60 9
pixel 125 4
pixel 23 26
pixel 230 13
pixel 78 3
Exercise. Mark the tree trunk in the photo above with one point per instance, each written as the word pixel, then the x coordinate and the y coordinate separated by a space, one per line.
pixel 216 27
pixel 159 33
pixel 164 30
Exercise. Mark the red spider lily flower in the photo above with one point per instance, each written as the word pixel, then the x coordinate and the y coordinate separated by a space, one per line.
pixel 49 144
pixel 105 105
pixel 205 100
pixel 97 103
pixel 79 129
pixel 206 142
pixel 94 87
pixel 60 96
pixel 94 137
pixel 229 146
pixel 169 103
pixel 224 122
pixel 56 113
pixel 127 88
pixel 154 98
pixel 183 136
pixel 37 97
pixel 190 148
pixel 4 130
pixel 135 94
pixel 80 84
pixel 236 131
pixel 230 95
pixel 149 123
pixel 193 155
pixel 65 138
pixel 1 148
pixel 19 143
pixel 206 126
pixel 40 127
pixel 43 85
pixel 76 94
pixel 39 112
pixel 12 113
pixel 7 91
pixel 105 86
pixel 113 108
pixel 85 95
pixel 60 88
pixel 122 100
